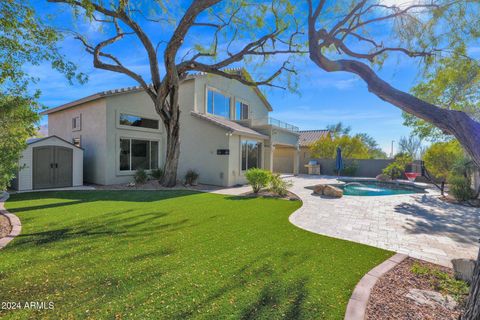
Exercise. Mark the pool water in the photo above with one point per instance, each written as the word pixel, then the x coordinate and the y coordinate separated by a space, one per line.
pixel 374 189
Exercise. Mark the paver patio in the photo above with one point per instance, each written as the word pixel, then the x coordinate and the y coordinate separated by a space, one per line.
pixel 419 225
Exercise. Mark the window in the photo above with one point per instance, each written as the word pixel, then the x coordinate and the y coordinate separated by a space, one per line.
pixel 135 121
pixel 250 154
pixel 241 110
pixel 138 154
pixel 218 104
pixel 77 142
pixel 77 123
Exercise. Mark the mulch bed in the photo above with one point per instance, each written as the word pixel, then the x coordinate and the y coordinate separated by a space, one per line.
pixel 269 194
pixel 5 227
pixel 388 298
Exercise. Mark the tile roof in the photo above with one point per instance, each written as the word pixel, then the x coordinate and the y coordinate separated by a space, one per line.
pixel 229 125
pixel 307 137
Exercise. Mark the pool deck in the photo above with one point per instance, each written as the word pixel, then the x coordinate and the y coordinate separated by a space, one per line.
pixel 420 225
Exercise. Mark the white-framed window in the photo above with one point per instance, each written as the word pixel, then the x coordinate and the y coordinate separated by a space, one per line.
pixel 137 121
pixel 241 110
pixel 138 154
pixel 77 123
pixel 77 141
pixel 251 154
pixel 218 103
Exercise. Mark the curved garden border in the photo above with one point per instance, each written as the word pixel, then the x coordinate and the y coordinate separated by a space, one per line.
pixel 14 222
pixel 357 305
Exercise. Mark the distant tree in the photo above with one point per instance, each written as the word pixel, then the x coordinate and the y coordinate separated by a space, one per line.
pixel 231 31
pixel 374 150
pixel 339 129
pixel 411 146
pixel 24 39
pixel 352 147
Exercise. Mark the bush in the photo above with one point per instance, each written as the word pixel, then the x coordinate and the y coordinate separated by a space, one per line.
pixel 278 185
pixel 258 178
pixel 191 177
pixel 157 173
pixel 350 170
pixel 396 169
pixel 140 176
pixel 442 157
pixel 460 188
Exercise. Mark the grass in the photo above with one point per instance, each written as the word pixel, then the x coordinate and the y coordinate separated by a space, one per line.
pixel 174 255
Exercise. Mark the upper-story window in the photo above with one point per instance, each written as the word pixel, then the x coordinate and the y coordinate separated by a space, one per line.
pixel 77 123
pixel 218 104
pixel 241 110
pixel 136 121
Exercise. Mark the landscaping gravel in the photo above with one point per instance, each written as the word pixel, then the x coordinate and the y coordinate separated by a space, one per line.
pixel 4 226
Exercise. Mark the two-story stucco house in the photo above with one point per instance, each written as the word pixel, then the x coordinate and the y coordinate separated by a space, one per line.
pixel 225 129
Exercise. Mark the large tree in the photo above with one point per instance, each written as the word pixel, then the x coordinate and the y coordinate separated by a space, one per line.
pixel 236 30
pixel 346 36
pixel 24 40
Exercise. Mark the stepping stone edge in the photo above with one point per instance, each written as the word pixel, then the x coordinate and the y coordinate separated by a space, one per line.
pixel 13 219
pixel 357 305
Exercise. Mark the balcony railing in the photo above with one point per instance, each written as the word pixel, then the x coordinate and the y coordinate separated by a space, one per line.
pixel 280 124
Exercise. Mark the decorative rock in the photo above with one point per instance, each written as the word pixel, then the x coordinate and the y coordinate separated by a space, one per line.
pixel 431 298
pixel 463 269
pixel 383 177
pixel 331 191
pixel 318 189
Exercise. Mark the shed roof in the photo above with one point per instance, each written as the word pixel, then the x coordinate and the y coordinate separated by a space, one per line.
pixel 307 137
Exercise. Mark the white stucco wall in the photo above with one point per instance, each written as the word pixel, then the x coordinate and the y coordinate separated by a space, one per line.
pixel 25 178
pixel 137 104
pixel 232 88
pixel 92 134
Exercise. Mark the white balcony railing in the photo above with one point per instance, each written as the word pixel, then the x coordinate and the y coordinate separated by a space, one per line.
pixel 280 124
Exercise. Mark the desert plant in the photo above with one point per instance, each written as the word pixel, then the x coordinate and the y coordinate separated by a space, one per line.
pixel 442 157
pixel 278 185
pixel 460 188
pixel 156 173
pixel 258 178
pixel 350 169
pixel 140 176
pixel 396 169
pixel 191 177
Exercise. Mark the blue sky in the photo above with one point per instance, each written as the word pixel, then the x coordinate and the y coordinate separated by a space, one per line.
pixel 322 98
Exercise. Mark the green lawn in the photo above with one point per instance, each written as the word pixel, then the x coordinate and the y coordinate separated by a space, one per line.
pixel 174 254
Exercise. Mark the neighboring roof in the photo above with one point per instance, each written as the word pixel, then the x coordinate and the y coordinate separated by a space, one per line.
pixel 307 137
pixel 35 140
pixel 109 93
pixel 229 125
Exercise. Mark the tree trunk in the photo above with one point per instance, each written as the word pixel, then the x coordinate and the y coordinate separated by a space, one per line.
pixel 169 178
pixel 472 311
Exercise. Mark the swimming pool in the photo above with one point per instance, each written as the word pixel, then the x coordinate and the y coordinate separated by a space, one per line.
pixel 374 188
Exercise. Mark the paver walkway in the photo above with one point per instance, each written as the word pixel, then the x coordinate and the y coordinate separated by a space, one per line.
pixel 419 225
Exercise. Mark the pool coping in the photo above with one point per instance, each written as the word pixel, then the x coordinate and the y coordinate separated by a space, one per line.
pixel 357 305
pixel 14 222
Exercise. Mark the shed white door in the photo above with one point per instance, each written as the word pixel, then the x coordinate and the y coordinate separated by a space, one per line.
pixel 52 167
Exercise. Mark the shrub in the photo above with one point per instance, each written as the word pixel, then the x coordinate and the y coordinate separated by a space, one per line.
pixel 191 177
pixel 157 173
pixel 396 169
pixel 258 178
pixel 278 185
pixel 460 188
pixel 350 170
pixel 140 176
